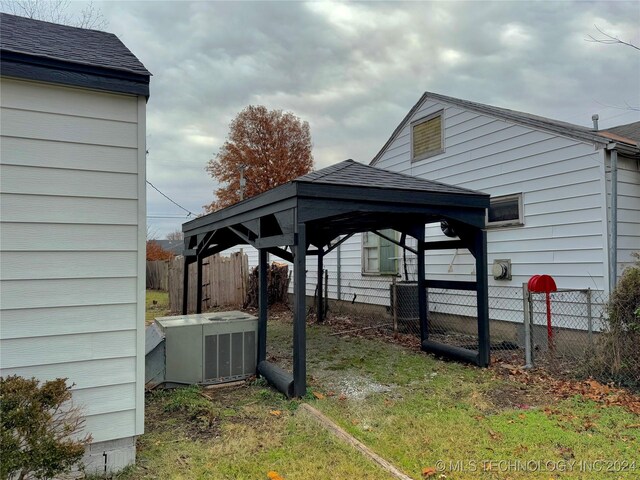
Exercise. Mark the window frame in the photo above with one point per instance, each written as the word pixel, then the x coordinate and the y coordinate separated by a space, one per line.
pixel 518 222
pixel 363 261
pixel 415 123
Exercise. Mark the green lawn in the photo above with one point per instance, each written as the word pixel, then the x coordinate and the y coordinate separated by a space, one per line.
pixel 413 410
pixel 157 305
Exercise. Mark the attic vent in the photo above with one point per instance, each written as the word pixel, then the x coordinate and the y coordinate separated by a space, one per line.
pixel 427 137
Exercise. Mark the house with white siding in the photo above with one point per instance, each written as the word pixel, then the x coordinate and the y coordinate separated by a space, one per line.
pixel 551 187
pixel 550 184
pixel 72 223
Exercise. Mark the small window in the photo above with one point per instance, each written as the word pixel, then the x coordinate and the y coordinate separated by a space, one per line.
pixel 379 255
pixel 427 137
pixel 506 210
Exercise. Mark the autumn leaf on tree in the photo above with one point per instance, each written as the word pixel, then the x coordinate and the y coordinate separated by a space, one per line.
pixel 270 147
pixel 156 252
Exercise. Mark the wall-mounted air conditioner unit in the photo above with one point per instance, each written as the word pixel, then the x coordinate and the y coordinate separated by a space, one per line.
pixel 209 348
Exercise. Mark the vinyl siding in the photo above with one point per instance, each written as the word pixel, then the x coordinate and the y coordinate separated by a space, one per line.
pixel 558 177
pixel 628 212
pixel 72 212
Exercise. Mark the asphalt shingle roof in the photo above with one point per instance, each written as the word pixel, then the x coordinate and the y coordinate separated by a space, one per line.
pixel 68 44
pixel 351 173
pixel 629 130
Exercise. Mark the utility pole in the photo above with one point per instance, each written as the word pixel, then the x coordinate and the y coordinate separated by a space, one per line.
pixel 243 182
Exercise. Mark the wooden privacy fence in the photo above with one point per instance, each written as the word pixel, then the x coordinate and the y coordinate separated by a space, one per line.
pixel 158 275
pixel 224 282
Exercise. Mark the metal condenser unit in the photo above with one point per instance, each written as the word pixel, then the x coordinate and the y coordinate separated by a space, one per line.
pixel 209 348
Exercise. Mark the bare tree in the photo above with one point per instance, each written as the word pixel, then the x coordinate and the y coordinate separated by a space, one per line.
pixel 608 39
pixel 176 235
pixel 56 11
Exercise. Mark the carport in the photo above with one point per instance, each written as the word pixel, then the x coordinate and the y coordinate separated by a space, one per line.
pixel 313 214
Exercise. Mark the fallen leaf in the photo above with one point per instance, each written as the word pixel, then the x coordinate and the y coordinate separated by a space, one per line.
pixel 342 397
pixel 495 435
pixel 275 413
pixel 274 475
pixel 318 395
pixel 635 425
pixel 428 472
pixel 522 416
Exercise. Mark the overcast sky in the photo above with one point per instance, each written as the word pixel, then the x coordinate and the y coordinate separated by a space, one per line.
pixel 353 70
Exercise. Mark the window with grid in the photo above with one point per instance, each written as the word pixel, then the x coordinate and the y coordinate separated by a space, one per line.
pixel 427 137
pixel 379 255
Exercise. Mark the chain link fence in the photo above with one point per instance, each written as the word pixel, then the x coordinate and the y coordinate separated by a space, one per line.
pixel 575 339
pixel 572 335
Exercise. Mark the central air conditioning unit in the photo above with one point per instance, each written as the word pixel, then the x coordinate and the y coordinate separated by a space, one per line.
pixel 209 348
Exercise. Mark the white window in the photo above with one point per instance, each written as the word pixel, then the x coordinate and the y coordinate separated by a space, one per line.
pixel 379 255
pixel 504 211
pixel 427 137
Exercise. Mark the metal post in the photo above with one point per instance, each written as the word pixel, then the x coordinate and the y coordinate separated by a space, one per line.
pixel 185 286
pixel 589 318
pixel 394 299
pixel 263 302
pixel 320 295
pixel 528 334
pixel 339 273
pixel 199 284
pixel 299 319
pixel 326 292
pixel 422 286
pixel 482 274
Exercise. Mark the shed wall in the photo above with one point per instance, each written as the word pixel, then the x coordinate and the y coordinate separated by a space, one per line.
pixel 72 223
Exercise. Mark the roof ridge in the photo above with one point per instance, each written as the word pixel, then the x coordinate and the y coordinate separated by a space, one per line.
pixel 336 167
pixel 64 25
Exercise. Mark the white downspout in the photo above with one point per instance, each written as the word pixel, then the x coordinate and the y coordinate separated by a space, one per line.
pixel 613 238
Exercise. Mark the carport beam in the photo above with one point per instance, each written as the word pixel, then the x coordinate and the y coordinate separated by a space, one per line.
pixel 320 313
pixel 299 320
pixel 482 283
pixel 263 305
pixel 422 286
pixel 199 285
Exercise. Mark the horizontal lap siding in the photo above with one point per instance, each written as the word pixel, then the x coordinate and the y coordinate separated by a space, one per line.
pixel 70 217
pixel 560 180
pixel 628 212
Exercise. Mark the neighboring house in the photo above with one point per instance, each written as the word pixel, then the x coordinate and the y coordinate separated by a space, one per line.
pixel 72 212
pixel 550 184
pixel 549 181
pixel 173 246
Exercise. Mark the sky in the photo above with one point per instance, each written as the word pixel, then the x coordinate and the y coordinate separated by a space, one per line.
pixel 353 71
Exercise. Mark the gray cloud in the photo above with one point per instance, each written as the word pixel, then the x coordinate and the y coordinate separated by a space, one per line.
pixel 353 70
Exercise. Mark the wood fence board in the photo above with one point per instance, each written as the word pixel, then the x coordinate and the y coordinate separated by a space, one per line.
pixel 224 282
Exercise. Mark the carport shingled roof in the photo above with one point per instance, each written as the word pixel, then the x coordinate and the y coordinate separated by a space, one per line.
pixel 348 182
pixel 352 173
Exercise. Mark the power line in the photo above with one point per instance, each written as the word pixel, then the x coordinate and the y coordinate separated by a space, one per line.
pixel 189 213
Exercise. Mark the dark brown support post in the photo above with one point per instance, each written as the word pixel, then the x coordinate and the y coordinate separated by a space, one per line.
pixel 482 282
pixel 262 305
pixel 422 286
pixel 320 314
pixel 300 310
pixel 185 286
pixel 199 284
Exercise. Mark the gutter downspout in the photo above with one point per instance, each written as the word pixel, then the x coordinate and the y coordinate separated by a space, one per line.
pixel 613 240
pixel 338 273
